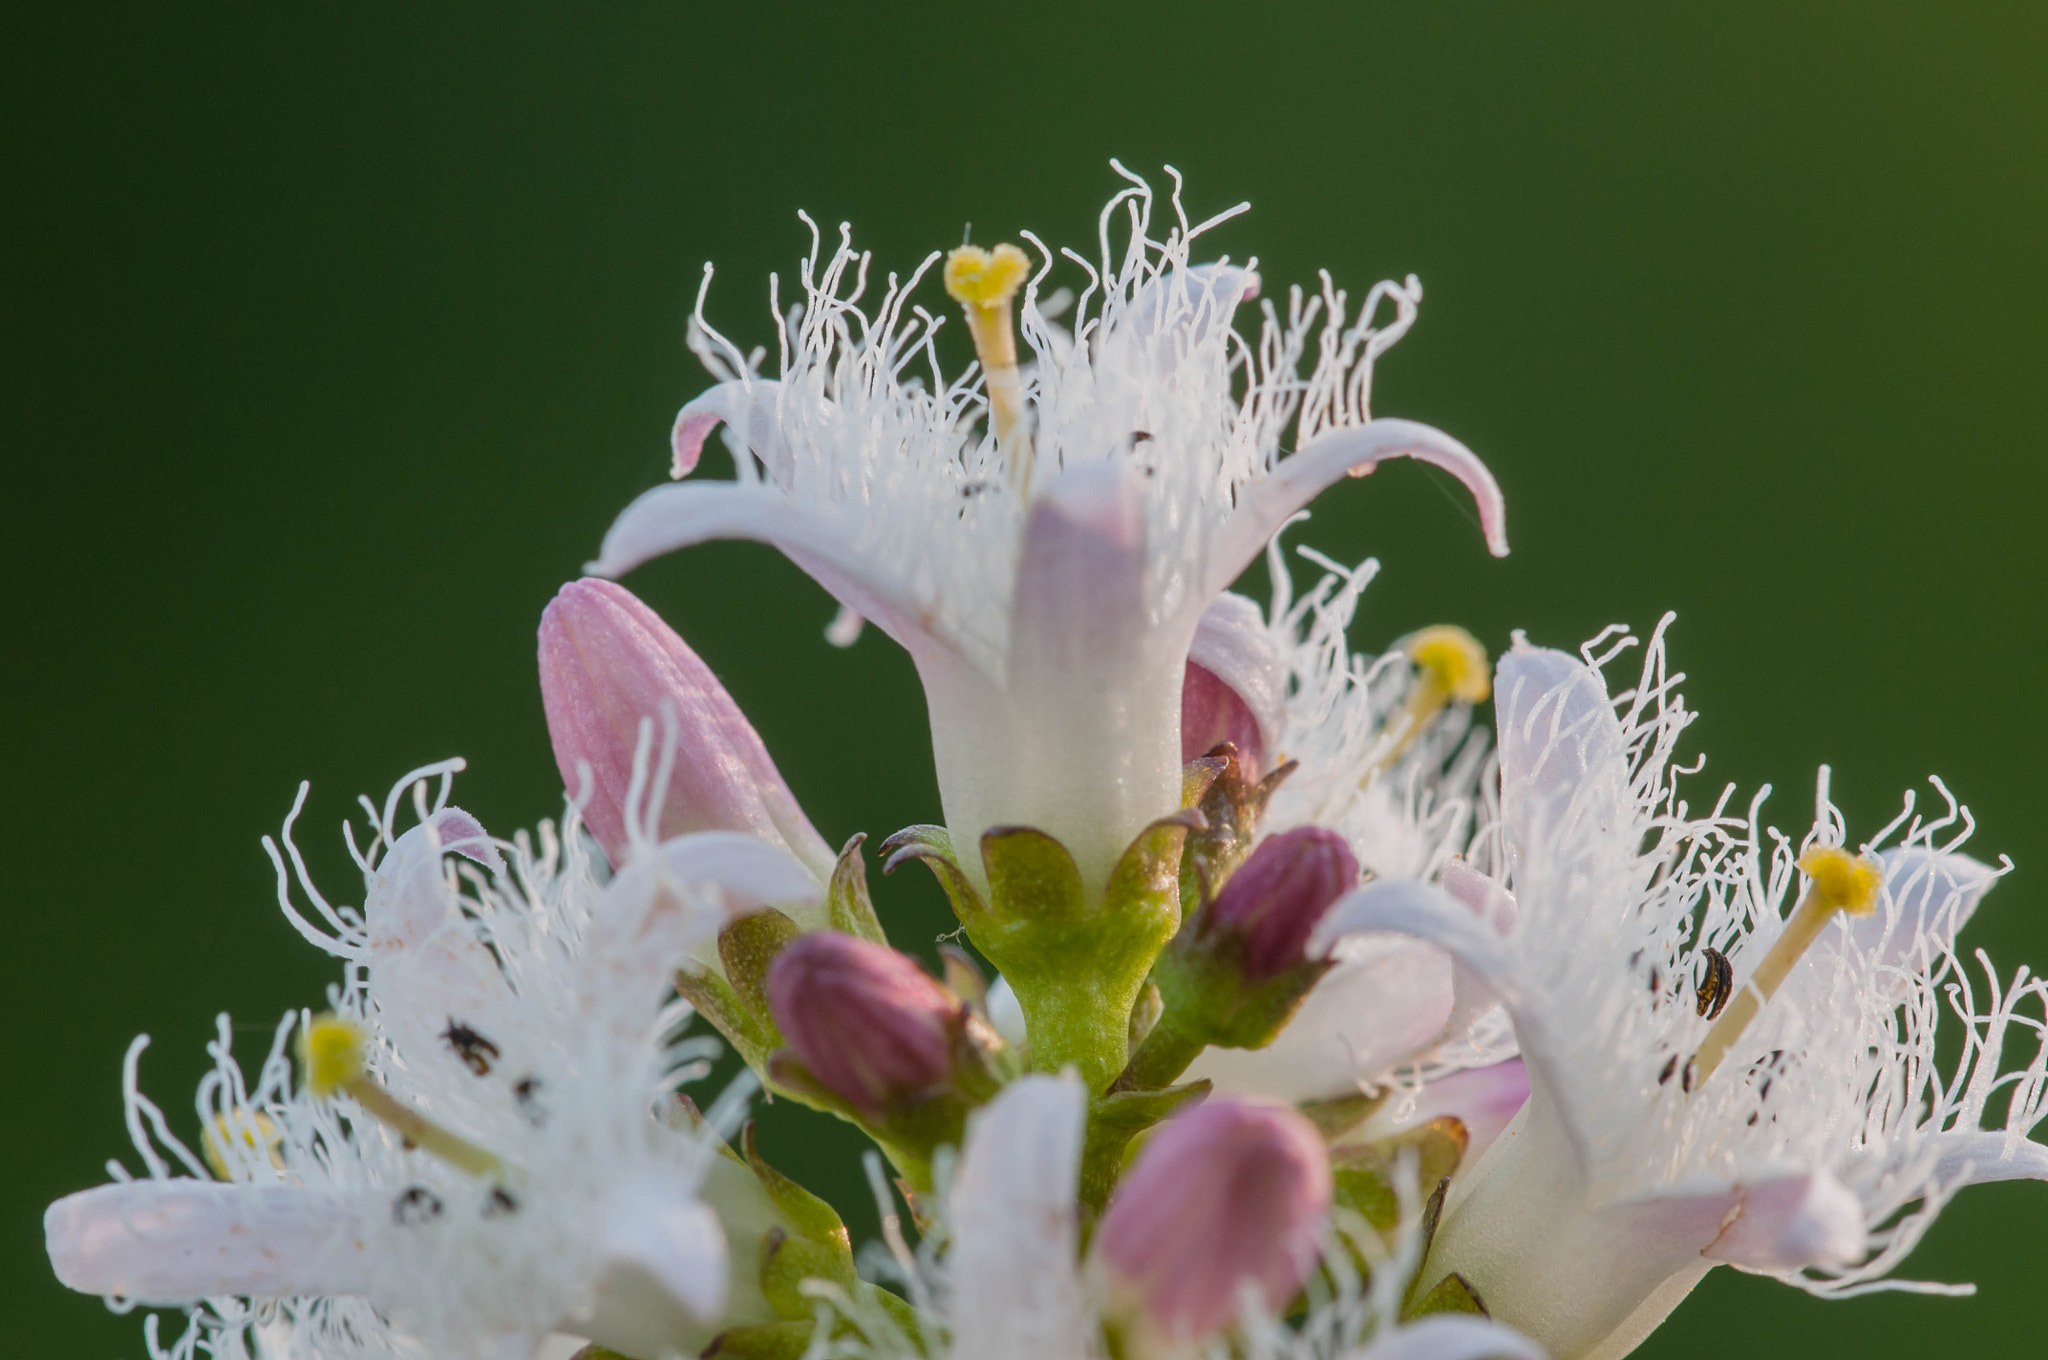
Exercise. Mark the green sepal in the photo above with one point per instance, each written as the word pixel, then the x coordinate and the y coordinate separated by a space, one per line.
pixel 1077 967
pixel 848 907
pixel 1030 876
pixel 764 1341
pixel 912 1322
pixel 1339 1115
pixel 1198 774
pixel 807 1214
pixel 961 974
pixel 753 1036
pixel 787 1261
pixel 934 845
pixel 1364 1173
pixel 1145 1012
pixel 747 947
pixel 1452 1294
pixel 1113 1121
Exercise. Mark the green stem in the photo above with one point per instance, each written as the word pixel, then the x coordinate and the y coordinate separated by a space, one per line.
pixel 1162 1056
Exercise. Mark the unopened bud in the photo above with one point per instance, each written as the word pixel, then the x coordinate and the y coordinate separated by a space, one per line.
pixel 1211 712
pixel 1221 1197
pixel 608 663
pixel 1278 895
pixel 867 1022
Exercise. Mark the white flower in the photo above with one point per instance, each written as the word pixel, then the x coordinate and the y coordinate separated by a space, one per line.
pixel 1048 575
pixel 1403 786
pixel 1825 1143
pixel 498 1171
pixel 1002 1272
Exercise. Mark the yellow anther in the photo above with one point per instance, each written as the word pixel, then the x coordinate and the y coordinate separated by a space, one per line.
pixel 983 282
pixel 1844 881
pixel 1453 661
pixel 332 1050
pixel 1836 881
pixel 243 1132
pixel 1450 664
pixel 986 279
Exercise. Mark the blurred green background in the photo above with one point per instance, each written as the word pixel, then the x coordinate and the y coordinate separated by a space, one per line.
pixel 336 339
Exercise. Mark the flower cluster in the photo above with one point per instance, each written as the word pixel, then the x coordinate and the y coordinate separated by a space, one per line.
pixel 1300 1015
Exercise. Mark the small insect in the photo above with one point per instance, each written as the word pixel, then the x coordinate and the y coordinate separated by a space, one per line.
pixel 1718 984
pixel 500 1202
pixel 526 1091
pixel 417 1205
pixel 477 1053
pixel 1692 1070
pixel 1670 1066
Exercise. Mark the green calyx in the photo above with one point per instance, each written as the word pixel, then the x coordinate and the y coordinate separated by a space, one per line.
pixel 1078 963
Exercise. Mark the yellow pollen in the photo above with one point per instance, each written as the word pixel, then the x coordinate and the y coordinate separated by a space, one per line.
pixel 1847 882
pixel 243 1131
pixel 1450 664
pixel 986 278
pixel 1836 881
pixel 1454 662
pixel 983 282
pixel 334 1052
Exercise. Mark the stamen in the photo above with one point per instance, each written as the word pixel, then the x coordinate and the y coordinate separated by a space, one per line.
pixel 332 1050
pixel 1837 881
pixel 983 282
pixel 246 1131
pixel 1449 664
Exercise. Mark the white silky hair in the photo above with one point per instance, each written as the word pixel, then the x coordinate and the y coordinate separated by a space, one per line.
pixel 1839 1071
pixel 869 428
pixel 570 1098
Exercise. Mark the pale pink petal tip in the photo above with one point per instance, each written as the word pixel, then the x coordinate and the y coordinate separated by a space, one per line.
pixel 608 663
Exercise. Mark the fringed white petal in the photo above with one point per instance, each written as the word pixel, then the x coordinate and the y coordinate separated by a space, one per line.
pixel 664 904
pixel 1298 479
pixel 1017 1294
pixel 808 533
pixel 1790 1223
pixel 660 1269
pixel 179 1241
pixel 1976 1158
pixel 1090 717
pixel 1564 770
pixel 1449 1337
pixel 1387 998
pixel 750 408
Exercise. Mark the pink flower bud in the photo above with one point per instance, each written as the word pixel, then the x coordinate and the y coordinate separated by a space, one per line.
pixel 866 1020
pixel 1277 896
pixel 607 662
pixel 1212 712
pixel 1221 1196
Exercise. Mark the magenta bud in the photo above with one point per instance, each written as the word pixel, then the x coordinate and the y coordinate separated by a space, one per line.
pixel 608 662
pixel 1211 712
pixel 870 1025
pixel 1276 897
pixel 1221 1196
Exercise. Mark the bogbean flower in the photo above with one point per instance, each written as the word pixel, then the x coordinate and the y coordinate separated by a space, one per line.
pixel 473 1159
pixel 1219 1223
pixel 1043 538
pixel 1713 1077
pixel 1386 757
